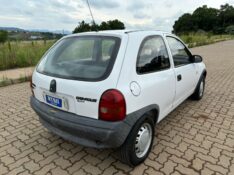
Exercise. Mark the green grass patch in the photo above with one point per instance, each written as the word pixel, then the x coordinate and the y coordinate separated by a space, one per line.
pixel 19 54
pixel 196 39
pixel 4 81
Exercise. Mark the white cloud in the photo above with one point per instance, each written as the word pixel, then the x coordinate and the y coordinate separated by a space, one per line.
pixel 65 14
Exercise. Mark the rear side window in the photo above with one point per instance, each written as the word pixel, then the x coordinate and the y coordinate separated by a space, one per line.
pixel 88 58
pixel 181 55
pixel 152 55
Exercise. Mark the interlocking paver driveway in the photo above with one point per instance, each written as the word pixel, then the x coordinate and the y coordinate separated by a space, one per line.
pixel 197 138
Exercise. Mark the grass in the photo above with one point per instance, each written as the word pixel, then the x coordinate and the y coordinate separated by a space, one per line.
pixel 22 53
pixel 3 81
pixel 195 39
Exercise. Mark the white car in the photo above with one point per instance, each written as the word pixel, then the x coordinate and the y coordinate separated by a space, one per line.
pixel 108 89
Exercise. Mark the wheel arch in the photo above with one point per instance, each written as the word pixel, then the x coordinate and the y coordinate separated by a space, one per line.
pixel 155 113
pixel 153 110
pixel 204 73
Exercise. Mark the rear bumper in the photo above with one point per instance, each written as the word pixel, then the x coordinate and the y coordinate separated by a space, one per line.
pixel 82 130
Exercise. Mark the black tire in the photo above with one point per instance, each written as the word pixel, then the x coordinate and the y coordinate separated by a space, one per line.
pixel 197 95
pixel 127 151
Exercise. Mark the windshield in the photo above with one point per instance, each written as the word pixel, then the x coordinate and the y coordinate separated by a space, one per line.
pixel 84 58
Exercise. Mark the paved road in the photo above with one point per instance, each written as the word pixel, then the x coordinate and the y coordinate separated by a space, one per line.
pixel 197 138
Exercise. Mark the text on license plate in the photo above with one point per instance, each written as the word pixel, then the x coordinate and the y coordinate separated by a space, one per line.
pixel 54 101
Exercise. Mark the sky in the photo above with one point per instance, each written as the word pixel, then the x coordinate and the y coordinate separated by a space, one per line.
pixel 66 14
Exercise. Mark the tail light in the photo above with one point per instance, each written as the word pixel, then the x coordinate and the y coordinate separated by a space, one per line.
pixel 112 106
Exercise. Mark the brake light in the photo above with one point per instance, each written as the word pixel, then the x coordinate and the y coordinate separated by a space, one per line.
pixel 112 106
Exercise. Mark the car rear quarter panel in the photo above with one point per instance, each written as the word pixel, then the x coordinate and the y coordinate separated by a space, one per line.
pixel 129 74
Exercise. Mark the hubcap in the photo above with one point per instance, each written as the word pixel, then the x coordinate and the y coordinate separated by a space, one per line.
pixel 143 140
pixel 201 90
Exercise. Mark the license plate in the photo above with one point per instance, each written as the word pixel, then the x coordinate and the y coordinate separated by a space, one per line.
pixel 54 101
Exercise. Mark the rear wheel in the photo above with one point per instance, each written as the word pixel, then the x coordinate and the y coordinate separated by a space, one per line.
pixel 139 141
pixel 199 92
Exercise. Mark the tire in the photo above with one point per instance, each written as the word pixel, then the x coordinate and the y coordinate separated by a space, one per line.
pixel 199 92
pixel 131 152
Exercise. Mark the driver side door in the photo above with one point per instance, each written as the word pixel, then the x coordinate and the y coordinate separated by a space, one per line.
pixel 184 70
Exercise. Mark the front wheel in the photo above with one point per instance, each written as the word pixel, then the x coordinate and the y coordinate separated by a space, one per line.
pixel 199 92
pixel 139 141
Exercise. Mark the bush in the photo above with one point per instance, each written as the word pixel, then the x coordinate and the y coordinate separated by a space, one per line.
pixel 230 29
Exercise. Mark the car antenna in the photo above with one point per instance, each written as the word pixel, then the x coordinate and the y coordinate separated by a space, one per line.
pixel 96 29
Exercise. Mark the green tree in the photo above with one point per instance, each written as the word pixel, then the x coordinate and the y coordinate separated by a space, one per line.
pixel 109 25
pixel 207 19
pixel 3 36
pixel 184 24
pixel 226 16
pixel 115 25
pixel 82 27
pixel 94 27
pixel 104 26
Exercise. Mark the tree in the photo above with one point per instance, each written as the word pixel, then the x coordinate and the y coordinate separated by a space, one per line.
pixel 82 27
pixel 184 24
pixel 104 26
pixel 207 19
pixel 109 25
pixel 226 16
pixel 94 27
pixel 3 36
pixel 115 25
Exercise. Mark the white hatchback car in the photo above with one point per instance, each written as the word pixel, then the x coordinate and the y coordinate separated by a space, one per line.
pixel 108 89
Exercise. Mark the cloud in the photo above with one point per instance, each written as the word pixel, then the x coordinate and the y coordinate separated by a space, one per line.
pixel 141 16
pixel 137 5
pixel 168 3
pixel 231 2
pixel 100 4
pixel 65 14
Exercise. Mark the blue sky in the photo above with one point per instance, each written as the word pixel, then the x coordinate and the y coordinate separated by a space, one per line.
pixel 65 14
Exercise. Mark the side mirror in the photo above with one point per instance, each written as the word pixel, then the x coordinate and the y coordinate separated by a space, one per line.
pixel 197 58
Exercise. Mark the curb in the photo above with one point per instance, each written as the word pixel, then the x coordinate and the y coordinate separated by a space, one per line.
pixel 199 44
pixel 8 82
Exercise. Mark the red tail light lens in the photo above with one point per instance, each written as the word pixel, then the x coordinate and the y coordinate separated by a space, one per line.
pixel 112 106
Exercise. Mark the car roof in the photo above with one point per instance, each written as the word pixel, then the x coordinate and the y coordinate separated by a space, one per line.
pixel 121 32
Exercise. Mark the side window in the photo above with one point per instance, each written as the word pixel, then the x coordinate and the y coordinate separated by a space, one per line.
pixel 107 49
pixel 77 50
pixel 152 56
pixel 180 54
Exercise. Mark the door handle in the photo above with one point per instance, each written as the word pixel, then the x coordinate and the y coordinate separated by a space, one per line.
pixel 179 77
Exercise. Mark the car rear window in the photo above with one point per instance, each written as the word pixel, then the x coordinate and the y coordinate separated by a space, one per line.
pixel 88 58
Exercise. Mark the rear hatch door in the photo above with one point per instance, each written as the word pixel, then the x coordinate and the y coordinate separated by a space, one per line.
pixel 73 75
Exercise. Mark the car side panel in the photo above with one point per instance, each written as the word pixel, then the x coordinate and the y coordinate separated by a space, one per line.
pixel 190 75
pixel 185 87
pixel 155 88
